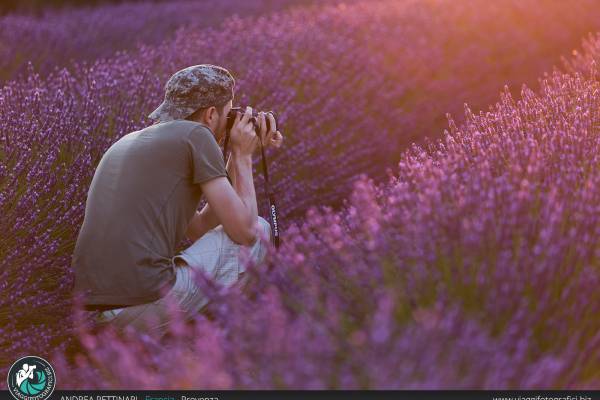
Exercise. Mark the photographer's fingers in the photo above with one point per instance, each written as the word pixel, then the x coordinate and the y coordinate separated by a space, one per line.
pixel 277 139
pixel 267 134
pixel 272 123
pixel 236 123
pixel 238 118
pixel 262 126
pixel 247 115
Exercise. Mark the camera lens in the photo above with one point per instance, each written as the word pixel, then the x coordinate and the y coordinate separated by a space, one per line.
pixel 235 110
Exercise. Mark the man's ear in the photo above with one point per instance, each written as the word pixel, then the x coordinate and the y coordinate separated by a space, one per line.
pixel 212 113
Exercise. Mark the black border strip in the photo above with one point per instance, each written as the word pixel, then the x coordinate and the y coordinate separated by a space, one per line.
pixel 319 394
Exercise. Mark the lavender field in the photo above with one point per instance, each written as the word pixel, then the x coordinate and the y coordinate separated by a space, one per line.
pixel 439 191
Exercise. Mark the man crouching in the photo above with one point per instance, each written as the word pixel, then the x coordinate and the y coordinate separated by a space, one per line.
pixel 144 198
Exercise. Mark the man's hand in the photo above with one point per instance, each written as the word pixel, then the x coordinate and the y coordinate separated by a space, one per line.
pixel 243 136
pixel 273 138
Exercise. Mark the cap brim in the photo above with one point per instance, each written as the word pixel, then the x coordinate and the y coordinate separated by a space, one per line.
pixel 162 113
pixel 168 111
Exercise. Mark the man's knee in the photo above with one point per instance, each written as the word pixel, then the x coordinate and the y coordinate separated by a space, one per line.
pixel 259 248
pixel 265 227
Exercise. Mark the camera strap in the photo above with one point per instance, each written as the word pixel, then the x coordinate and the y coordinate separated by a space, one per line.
pixel 272 206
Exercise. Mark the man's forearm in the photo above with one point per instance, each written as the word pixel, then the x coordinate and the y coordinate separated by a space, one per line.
pixel 205 220
pixel 244 186
pixel 240 170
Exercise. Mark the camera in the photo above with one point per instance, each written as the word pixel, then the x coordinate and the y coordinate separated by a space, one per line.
pixel 254 119
pixel 235 110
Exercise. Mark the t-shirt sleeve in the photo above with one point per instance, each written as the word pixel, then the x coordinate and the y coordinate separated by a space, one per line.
pixel 206 156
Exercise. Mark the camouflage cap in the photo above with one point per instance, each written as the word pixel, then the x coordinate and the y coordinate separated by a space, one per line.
pixel 194 87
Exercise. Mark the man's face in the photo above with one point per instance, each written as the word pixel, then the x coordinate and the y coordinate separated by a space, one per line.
pixel 222 123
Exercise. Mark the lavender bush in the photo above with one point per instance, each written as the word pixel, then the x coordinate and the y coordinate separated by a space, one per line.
pixel 475 266
pixel 425 267
pixel 55 38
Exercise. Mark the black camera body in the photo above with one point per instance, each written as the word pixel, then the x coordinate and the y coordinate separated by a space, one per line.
pixel 241 110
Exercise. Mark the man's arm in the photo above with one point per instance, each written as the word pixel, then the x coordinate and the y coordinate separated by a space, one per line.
pixel 236 207
pixel 234 203
pixel 205 220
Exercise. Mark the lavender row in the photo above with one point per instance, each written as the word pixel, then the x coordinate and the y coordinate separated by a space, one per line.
pixel 56 38
pixel 476 266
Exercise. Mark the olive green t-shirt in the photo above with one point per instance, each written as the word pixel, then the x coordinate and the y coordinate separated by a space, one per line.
pixel 144 192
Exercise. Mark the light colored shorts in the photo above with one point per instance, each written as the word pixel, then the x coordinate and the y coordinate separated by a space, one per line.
pixel 214 253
